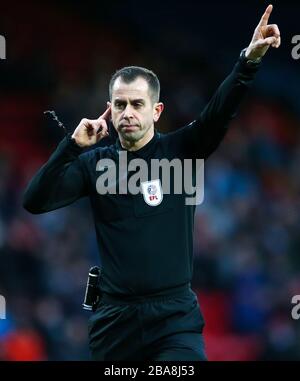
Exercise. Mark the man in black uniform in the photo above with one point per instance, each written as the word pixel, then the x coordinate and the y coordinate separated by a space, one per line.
pixel 147 310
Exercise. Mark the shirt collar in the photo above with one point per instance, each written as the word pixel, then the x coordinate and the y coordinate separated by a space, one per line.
pixel 144 151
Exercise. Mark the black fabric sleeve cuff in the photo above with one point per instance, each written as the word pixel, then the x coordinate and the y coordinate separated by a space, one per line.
pixel 70 143
pixel 243 65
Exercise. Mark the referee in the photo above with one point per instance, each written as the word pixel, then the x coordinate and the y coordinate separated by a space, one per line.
pixel 147 310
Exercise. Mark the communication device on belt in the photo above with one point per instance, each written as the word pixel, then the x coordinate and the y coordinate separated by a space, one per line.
pixel 92 291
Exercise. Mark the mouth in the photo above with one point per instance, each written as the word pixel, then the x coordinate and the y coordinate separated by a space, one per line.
pixel 128 127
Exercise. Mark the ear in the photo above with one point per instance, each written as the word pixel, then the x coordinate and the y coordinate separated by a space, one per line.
pixel 157 110
pixel 108 104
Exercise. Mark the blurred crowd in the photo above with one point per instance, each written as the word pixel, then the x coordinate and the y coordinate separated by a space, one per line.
pixel 247 242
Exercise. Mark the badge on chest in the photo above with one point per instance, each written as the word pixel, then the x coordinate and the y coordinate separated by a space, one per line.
pixel 152 192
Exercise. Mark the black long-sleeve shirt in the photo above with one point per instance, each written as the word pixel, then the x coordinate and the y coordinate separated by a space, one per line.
pixel 145 249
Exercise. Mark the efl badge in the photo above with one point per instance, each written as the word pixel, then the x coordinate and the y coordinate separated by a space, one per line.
pixel 152 192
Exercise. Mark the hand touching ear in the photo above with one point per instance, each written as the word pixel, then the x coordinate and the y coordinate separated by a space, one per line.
pixel 90 131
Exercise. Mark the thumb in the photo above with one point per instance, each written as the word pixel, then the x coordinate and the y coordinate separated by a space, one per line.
pixel 269 41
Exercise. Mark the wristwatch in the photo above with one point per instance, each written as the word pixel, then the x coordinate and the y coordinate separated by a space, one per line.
pixel 249 62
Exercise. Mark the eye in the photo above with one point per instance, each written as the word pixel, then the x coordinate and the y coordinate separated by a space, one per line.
pixel 119 105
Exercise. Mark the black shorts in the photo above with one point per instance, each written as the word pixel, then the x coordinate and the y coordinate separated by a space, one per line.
pixel 165 328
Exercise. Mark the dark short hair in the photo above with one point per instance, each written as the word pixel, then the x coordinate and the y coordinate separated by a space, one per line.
pixel 130 73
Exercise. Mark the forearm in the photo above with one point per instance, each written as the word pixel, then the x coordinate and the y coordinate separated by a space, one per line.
pixel 208 130
pixel 59 182
pixel 224 104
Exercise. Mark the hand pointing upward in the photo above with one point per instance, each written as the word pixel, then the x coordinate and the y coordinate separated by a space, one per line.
pixel 265 35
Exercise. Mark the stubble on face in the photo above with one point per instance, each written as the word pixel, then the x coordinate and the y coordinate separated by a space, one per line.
pixel 135 134
pixel 136 124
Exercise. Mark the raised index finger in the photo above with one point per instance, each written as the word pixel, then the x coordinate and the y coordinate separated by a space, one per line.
pixel 265 17
pixel 106 114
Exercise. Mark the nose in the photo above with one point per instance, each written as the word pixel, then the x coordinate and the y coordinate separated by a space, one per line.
pixel 128 112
